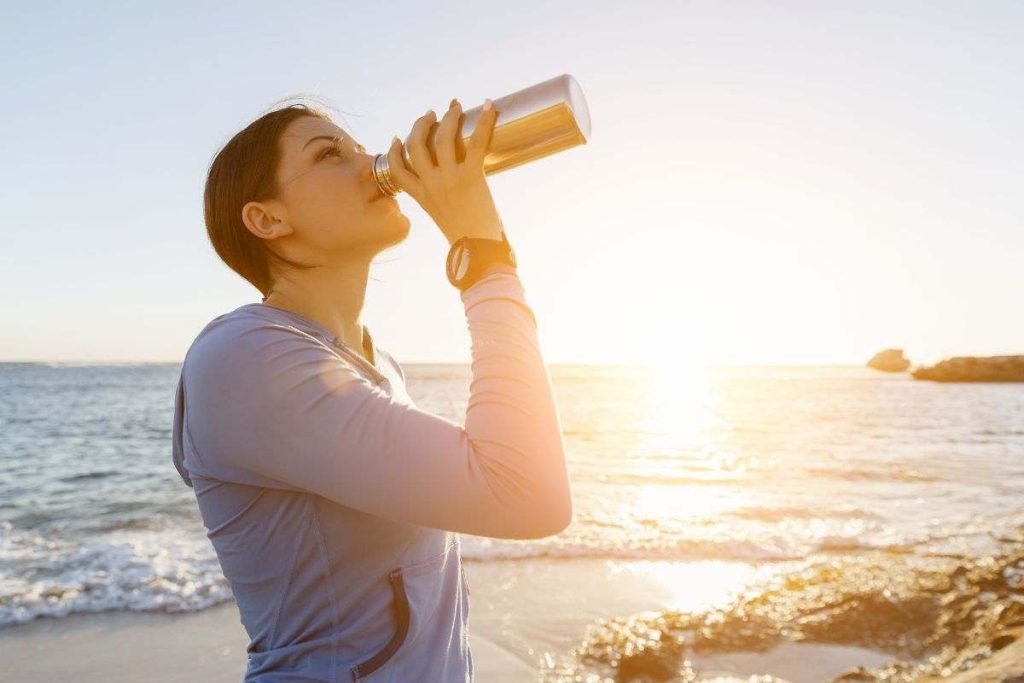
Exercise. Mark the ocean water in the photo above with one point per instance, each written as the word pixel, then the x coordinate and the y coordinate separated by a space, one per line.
pixel 752 464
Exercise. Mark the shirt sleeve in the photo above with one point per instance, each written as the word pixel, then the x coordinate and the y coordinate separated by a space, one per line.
pixel 270 405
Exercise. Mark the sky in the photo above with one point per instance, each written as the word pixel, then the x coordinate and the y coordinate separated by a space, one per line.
pixel 766 182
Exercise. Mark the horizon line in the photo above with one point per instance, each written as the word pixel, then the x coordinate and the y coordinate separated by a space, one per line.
pixel 608 364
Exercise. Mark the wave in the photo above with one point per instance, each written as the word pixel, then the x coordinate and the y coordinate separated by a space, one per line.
pixel 128 571
pixel 172 570
pixel 776 514
pixel 756 549
pixel 712 478
pixel 894 473
pixel 86 476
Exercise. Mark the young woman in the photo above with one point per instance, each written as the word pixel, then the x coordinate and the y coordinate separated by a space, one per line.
pixel 333 502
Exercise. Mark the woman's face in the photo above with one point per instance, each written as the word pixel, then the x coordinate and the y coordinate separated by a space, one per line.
pixel 328 196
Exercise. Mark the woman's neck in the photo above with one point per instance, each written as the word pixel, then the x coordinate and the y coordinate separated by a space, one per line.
pixel 330 297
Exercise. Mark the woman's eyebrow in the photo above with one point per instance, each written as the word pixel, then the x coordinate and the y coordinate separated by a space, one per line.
pixel 333 138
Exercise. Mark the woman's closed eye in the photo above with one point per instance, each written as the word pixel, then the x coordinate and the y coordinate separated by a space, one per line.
pixel 331 150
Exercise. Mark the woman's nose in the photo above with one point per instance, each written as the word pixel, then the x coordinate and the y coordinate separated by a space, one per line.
pixel 367 176
pixel 366 167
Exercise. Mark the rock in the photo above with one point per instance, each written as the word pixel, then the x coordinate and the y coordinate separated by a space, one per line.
pixel 975 369
pixel 999 642
pixel 661 663
pixel 858 675
pixel 890 360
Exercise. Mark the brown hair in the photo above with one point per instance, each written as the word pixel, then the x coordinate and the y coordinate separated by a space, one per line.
pixel 245 170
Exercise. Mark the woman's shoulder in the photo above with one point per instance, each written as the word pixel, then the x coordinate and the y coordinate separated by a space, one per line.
pixel 248 328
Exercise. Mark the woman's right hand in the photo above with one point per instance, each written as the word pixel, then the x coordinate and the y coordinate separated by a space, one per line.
pixel 454 193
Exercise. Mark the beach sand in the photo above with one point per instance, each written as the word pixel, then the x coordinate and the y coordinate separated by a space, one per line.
pixel 525 615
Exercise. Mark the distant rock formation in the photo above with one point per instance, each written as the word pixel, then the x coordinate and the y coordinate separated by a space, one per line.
pixel 890 360
pixel 975 369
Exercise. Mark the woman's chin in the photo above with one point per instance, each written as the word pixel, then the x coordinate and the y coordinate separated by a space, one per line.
pixel 397 228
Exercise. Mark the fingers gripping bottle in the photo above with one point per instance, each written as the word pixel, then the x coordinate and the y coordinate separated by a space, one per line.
pixel 535 122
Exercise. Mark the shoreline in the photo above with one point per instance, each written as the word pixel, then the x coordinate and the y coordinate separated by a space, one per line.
pixel 524 625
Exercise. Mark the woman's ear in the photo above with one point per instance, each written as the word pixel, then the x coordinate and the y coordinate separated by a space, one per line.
pixel 262 221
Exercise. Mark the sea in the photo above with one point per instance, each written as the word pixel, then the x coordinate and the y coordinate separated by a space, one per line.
pixel 751 464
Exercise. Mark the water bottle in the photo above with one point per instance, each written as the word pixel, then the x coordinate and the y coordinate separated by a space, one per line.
pixel 532 123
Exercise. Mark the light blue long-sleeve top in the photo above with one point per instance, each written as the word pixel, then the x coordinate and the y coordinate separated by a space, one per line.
pixel 334 503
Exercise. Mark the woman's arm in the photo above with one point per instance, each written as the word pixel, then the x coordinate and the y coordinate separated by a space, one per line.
pixel 269 405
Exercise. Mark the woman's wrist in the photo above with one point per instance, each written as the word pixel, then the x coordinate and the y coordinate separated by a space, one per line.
pixel 492 268
pixel 491 229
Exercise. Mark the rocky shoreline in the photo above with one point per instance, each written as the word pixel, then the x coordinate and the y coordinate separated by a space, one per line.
pixel 974 369
pixel 940 618
pixel 956 369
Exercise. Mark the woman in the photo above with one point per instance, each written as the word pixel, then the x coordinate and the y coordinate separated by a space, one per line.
pixel 333 502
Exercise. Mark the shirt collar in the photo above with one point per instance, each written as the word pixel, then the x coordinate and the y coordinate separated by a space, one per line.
pixel 307 325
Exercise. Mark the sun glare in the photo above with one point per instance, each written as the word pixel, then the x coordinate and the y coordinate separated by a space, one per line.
pixel 693 587
pixel 679 402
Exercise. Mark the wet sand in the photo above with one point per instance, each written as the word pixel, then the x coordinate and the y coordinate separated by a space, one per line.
pixel 119 647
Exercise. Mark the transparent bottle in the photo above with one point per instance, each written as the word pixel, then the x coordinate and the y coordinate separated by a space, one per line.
pixel 532 123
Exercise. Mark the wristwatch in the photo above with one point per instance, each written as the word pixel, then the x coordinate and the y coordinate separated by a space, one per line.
pixel 470 256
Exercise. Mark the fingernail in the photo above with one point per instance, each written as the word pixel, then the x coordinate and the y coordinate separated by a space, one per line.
pixel 488 104
pixel 453 102
pixel 394 140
